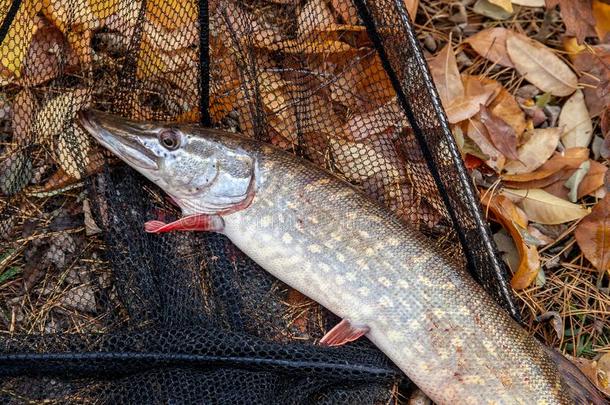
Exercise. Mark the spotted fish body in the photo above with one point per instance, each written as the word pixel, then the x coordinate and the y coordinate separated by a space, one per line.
pixel 328 240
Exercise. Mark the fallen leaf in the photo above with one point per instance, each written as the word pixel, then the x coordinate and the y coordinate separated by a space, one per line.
pixel 540 66
pixel 575 120
pixel 577 16
pixel 102 9
pixel 515 222
pixel 593 235
pixel 59 111
pixel 361 126
pixel 170 40
pixel 172 14
pixel 574 181
pixel 488 9
pixel 48 55
pixel 545 208
pixel 362 86
pixel 91 227
pixel 505 5
pixel 15 172
pixel 507 108
pixel 14 47
pixel 529 3
pixel 72 151
pixel 315 15
pixel 594 179
pixel 24 107
pixel 75 16
pixel 537 150
pixel 346 10
pixel 476 93
pixel 490 43
pixel 593 65
pixel 601 13
pixel 478 133
pixel 501 134
pixel 446 76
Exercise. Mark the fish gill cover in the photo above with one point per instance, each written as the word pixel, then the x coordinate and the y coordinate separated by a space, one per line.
pixel 92 308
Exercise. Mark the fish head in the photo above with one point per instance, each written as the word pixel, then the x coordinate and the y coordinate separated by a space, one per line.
pixel 204 171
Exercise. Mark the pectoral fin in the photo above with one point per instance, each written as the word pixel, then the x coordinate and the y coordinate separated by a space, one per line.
pixel 344 332
pixel 197 222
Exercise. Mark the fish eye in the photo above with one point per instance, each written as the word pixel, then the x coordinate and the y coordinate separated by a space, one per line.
pixel 170 139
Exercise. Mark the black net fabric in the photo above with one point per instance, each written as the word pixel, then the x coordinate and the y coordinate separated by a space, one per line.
pixel 93 309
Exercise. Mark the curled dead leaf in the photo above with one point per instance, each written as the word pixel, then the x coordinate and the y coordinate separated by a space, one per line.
pixel 545 208
pixel 15 172
pixel 502 135
pixel 593 235
pixel 535 151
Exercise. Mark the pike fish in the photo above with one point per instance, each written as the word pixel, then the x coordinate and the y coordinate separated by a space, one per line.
pixel 328 240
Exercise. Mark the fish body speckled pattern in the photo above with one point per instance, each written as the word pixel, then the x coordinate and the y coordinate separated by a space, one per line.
pixel 325 238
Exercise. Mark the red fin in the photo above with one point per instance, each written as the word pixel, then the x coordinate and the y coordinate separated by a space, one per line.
pixel 343 333
pixel 198 222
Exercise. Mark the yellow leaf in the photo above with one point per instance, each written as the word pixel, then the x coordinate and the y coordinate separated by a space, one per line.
pixel 505 5
pixel 545 208
pixel 58 112
pixel 601 13
pixel 70 16
pixel 172 14
pixel 14 48
pixel 104 8
pixel 540 66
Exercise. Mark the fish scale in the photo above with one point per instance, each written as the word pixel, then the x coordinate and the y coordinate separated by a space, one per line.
pixel 328 240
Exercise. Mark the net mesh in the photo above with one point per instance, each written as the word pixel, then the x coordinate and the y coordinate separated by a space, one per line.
pixel 95 310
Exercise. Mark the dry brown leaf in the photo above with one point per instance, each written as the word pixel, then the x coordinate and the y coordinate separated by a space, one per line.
pixel 478 133
pixel 411 6
pixel 447 76
pixel 153 62
pixel 593 180
pixel 593 235
pixel 502 135
pixel 48 55
pixel 507 108
pixel 315 15
pixel 576 123
pixel 515 221
pixel 477 93
pixel 593 64
pixel 535 151
pixel 577 16
pixel 490 43
pixel 569 159
pixel 362 86
pixel 72 151
pixel 601 13
pixel 540 66
pixel 346 10
pixel 14 47
pixel 545 208
pixel 361 126
pixel 59 111
pixel 24 108
pixel 488 9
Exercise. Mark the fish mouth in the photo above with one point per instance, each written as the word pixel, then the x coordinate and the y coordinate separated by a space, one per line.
pixel 122 137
